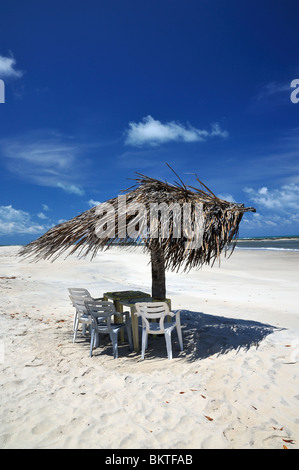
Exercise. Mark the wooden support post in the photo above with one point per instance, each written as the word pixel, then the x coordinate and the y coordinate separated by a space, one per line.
pixel 158 272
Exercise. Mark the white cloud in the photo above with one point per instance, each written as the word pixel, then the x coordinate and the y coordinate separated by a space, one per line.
pixel 45 159
pixel 71 188
pixel 276 208
pixel 273 87
pixel 263 190
pixel 226 197
pixel 41 215
pixel 93 203
pixel 270 95
pixel 284 199
pixel 7 67
pixel 16 221
pixel 152 132
pixel 260 220
pixel 273 92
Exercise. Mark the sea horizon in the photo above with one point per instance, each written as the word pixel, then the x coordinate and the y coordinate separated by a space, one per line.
pixel 270 237
pixel 267 242
pixel 273 243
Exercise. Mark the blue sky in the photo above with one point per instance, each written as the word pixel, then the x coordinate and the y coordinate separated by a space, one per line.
pixel 97 90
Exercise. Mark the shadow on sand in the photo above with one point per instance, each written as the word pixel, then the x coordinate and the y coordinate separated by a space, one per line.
pixel 203 336
pixel 206 335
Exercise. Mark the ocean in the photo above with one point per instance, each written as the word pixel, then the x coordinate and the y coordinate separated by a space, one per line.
pixel 264 243
pixel 269 243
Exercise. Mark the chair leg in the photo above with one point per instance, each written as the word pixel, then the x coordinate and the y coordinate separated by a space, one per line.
pixel 74 321
pixel 179 332
pixel 91 341
pixel 75 328
pixel 94 340
pixel 144 343
pixel 113 337
pixel 129 334
pixel 168 345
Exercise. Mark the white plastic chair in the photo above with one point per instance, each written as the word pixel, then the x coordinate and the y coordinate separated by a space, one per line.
pixel 158 311
pixel 101 313
pixel 78 296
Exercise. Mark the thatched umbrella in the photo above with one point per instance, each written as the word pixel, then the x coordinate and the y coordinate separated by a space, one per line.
pixel 182 227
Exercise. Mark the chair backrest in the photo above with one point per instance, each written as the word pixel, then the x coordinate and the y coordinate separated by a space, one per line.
pixel 77 292
pixel 100 310
pixel 78 297
pixel 152 311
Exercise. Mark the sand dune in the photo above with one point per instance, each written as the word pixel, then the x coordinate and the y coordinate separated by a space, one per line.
pixel 234 386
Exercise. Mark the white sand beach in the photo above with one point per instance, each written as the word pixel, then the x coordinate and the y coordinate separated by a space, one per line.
pixel 235 385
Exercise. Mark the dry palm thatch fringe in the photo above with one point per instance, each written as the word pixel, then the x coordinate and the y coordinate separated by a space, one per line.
pixel 221 220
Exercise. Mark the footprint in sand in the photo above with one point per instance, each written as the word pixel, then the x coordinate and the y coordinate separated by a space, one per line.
pixel 42 427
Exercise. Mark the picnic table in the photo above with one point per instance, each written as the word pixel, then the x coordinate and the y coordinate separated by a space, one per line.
pixel 129 299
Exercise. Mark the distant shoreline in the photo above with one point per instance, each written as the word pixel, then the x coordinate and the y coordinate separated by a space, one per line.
pixel 290 237
pixel 275 238
pixel 275 243
pixel 268 243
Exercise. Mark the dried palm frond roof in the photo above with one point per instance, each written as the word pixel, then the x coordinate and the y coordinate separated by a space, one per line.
pixel 219 225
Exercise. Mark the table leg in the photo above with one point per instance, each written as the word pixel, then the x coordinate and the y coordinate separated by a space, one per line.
pixel 119 308
pixel 134 321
